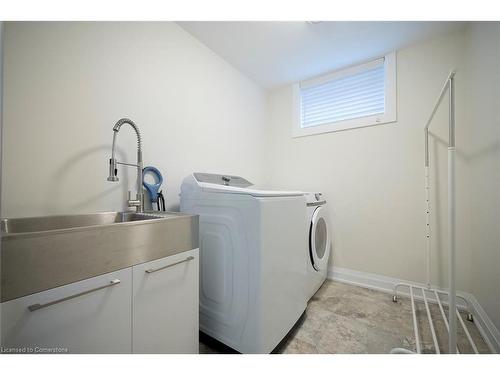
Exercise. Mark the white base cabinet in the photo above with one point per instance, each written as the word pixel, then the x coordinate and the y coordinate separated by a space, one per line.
pixel 148 308
pixel 74 318
pixel 165 305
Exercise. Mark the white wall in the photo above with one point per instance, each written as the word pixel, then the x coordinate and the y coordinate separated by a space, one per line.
pixel 373 177
pixel 483 155
pixel 66 84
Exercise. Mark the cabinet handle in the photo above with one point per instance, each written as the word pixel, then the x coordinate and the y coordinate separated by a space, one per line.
pixel 38 306
pixel 151 270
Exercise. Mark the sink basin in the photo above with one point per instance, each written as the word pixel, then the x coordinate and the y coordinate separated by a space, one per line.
pixel 47 223
pixel 41 253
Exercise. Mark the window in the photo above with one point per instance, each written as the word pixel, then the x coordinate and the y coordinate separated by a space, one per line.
pixel 358 96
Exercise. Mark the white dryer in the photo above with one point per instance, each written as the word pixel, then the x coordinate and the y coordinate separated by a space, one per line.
pixel 319 241
pixel 252 270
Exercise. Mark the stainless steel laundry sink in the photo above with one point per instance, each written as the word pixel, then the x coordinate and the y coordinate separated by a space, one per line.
pixel 39 253
pixel 47 223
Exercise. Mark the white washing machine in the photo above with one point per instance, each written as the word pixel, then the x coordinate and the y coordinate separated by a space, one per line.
pixel 252 270
pixel 319 241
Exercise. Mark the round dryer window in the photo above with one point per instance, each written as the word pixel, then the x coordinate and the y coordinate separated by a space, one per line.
pixel 319 240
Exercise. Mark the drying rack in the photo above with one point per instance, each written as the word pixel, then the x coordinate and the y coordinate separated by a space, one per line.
pixel 428 294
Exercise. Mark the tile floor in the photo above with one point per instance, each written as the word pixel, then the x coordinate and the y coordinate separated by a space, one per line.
pixel 342 318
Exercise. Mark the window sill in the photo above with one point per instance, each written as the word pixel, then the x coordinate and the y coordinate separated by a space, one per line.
pixel 362 122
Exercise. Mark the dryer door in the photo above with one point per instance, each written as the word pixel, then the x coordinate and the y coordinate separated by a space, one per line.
pixel 319 240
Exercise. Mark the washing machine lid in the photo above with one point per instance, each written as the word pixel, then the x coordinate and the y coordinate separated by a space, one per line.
pixel 218 183
pixel 246 191
pixel 319 239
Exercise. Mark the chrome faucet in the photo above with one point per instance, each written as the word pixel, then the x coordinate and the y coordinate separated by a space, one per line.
pixel 138 202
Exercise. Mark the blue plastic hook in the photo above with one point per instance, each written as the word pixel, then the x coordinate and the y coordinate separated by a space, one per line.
pixel 152 188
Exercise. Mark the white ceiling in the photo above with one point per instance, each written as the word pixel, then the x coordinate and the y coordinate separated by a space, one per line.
pixel 275 53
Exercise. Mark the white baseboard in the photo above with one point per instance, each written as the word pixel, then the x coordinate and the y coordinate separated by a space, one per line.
pixel 483 322
pixel 367 280
pixel 386 284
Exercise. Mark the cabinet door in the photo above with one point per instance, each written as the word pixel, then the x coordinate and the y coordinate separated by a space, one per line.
pixel 165 305
pixel 89 316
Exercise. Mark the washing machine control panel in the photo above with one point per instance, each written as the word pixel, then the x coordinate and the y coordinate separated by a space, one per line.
pixel 222 179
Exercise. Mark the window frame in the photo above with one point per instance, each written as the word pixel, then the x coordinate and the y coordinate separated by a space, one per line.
pixel 389 115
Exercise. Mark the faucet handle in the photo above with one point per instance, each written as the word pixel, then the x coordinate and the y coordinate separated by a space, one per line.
pixel 136 202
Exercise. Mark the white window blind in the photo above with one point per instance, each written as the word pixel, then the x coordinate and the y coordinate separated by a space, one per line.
pixel 360 92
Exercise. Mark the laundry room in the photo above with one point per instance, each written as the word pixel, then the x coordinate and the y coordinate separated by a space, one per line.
pixel 250 186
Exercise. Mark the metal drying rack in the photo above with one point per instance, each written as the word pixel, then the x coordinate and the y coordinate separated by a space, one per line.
pixel 428 294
